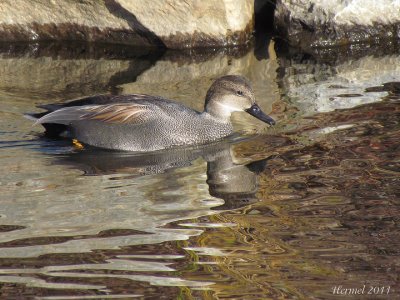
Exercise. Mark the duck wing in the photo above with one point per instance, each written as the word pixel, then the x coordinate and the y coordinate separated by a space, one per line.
pixel 117 113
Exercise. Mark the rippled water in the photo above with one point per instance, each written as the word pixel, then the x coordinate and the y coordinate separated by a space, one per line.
pixel 303 210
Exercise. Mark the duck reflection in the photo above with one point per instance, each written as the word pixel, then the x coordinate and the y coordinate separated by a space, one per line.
pixel 132 209
pixel 236 184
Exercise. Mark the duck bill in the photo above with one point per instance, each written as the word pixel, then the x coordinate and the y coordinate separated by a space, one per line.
pixel 256 111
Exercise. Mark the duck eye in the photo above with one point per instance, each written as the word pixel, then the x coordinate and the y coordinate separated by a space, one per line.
pixel 239 93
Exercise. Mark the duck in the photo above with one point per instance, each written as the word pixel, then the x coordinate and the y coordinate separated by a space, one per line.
pixel 143 123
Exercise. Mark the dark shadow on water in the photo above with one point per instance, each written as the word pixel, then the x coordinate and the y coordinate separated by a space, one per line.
pixel 336 55
pixel 77 50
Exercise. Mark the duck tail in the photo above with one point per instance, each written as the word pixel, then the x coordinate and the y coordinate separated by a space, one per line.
pixel 34 116
pixel 31 117
pixel 51 130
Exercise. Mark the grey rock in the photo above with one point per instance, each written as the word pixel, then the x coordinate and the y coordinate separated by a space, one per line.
pixel 327 23
pixel 171 24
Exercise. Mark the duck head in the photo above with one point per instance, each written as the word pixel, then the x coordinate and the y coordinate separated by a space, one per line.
pixel 233 93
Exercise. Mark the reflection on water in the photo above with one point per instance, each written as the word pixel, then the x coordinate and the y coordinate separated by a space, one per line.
pixel 291 212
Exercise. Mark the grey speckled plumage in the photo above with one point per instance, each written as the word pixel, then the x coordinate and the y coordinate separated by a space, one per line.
pixel 147 123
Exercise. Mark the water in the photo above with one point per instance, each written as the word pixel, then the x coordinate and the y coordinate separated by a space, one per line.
pixel 299 211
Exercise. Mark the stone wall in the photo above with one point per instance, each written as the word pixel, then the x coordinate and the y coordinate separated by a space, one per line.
pixel 327 23
pixel 170 23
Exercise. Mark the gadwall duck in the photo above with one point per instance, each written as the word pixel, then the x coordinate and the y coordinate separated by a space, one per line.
pixel 146 123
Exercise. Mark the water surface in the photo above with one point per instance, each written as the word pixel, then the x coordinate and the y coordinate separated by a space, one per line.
pixel 290 212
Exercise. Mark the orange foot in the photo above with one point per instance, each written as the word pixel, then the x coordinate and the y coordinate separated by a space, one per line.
pixel 77 144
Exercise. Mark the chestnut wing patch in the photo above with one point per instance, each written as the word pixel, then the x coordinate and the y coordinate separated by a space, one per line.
pixel 117 113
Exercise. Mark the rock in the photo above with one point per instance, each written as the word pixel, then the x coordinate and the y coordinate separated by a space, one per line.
pixel 326 23
pixel 172 24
